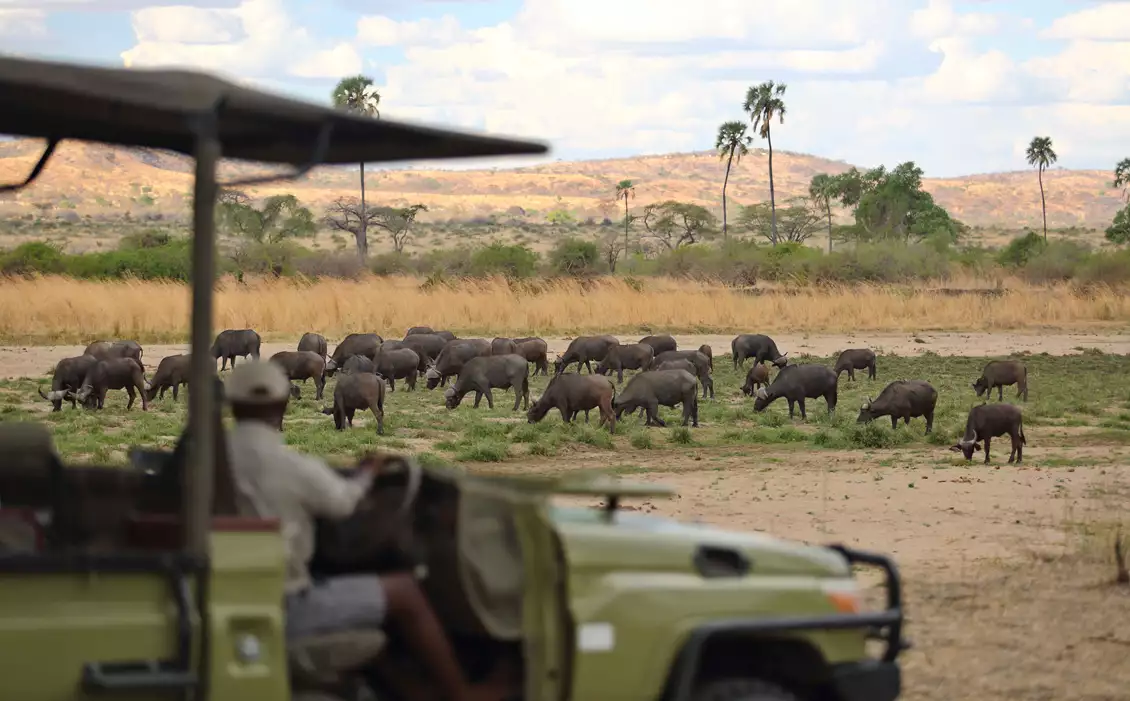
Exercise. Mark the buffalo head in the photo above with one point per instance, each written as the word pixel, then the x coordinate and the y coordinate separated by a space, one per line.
pixel 781 361
pixel 449 398
pixel 865 414
pixel 980 386
pixel 966 448
pixel 761 400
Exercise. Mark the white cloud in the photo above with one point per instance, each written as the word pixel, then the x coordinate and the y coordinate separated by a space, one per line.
pixel 22 22
pixel 333 63
pixel 938 19
pixel 378 30
pixel 181 24
pixel 1109 21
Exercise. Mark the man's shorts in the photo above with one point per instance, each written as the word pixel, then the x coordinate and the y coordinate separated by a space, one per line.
pixel 339 603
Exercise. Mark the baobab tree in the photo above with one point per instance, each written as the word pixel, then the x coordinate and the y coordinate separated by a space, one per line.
pixel 357 94
pixel 1041 155
pixel 732 143
pixel 763 103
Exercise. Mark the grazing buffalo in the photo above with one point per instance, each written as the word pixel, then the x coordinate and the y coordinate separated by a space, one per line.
pixel 452 358
pixel 358 363
pixel 660 344
pixel 303 365
pixel 108 350
pixel 987 421
pixel 856 359
pixel 484 373
pixel 571 393
pixel 315 343
pixel 426 345
pixel 233 343
pixel 797 383
pixel 172 372
pixel 757 346
pixel 536 351
pixel 419 330
pixel 902 399
pixel 584 350
pixel 355 391
pixel 67 378
pixel 398 364
pixel 706 350
pixel 998 373
pixel 635 356
pixel 365 344
pixel 503 346
pixel 701 364
pixel 648 390
pixel 757 377
pixel 118 373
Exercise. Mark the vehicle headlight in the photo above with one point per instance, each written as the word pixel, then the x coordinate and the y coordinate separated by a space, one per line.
pixel 843 593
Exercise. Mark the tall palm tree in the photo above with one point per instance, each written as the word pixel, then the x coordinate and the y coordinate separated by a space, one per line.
pixel 1041 155
pixel 624 190
pixel 823 189
pixel 732 143
pixel 357 94
pixel 762 103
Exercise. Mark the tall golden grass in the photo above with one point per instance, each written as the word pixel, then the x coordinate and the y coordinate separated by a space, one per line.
pixel 59 309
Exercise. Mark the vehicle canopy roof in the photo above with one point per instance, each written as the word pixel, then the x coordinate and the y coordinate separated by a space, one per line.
pixel 163 109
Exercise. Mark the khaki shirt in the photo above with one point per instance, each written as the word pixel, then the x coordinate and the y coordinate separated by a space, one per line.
pixel 274 481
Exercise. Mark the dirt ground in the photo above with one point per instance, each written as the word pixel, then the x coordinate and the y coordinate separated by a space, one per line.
pixel 1008 570
pixel 33 361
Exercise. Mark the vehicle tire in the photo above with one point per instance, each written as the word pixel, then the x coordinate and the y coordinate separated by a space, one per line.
pixel 743 690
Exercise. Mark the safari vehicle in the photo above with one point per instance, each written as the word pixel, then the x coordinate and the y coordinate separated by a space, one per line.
pixel 145 583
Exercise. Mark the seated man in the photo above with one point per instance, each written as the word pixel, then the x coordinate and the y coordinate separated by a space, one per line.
pixel 274 481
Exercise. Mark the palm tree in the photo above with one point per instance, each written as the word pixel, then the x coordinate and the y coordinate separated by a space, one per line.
pixel 1122 176
pixel 823 189
pixel 357 94
pixel 624 190
pixel 732 143
pixel 1041 155
pixel 762 103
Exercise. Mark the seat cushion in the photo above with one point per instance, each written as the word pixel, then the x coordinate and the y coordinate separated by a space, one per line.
pixel 322 660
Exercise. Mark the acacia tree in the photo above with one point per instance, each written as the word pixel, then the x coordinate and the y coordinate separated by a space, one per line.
pixel 732 143
pixel 1122 176
pixel 357 94
pixel 347 214
pixel 1041 155
pixel 625 189
pixel 763 103
pixel 799 220
pixel 281 217
pixel 823 189
pixel 674 224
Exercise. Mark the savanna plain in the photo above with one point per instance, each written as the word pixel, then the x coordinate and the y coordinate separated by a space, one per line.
pixel 1009 568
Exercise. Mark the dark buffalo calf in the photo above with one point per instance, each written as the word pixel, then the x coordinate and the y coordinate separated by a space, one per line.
pixel 571 393
pixel 358 363
pixel 998 373
pixel 988 421
pixel 303 365
pixel 172 372
pixel 701 364
pixel 536 351
pixel 355 391
pixel 635 356
pixel 453 357
pixel 856 359
pixel 902 399
pixel 398 364
pixel 654 388
pixel 366 344
pixel 315 343
pixel 660 343
pixel 796 383
pixel 706 350
pixel 503 346
pixel 482 374
pixel 584 350
pixel 757 377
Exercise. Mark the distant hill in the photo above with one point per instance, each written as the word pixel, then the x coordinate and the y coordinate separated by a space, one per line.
pixel 102 181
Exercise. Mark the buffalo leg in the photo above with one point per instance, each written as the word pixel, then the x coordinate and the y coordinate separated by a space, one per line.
pixel 653 416
pixel 1016 440
pixel 1000 393
pixel 588 366
pixel 379 413
pixel 526 393
pixel 987 441
pixel 792 405
pixel 176 391
pixel 607 415
pixel 620 375
pixel 411 380
pixel 894 422
pixel 349 416
pixel 803 415
pixel 319 386
pixel 478 398
pixel 929 421
pixel 871 371
pixel 132 396
pixel 586 415
pixel 490 399
pixel 851 374
pixel 566 416
pixel 517 399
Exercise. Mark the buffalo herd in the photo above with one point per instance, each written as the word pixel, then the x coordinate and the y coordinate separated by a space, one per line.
pixel 369 366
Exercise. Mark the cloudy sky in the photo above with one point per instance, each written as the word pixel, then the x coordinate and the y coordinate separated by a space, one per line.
pixel 960 86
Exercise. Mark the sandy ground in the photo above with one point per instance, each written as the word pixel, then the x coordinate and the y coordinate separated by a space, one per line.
pixel 33 361
pixel 1007 595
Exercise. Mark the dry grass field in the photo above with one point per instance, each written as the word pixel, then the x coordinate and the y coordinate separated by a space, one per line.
pixel 102 181
pixel 54 309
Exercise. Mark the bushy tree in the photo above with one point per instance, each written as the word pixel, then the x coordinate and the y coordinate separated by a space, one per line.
pixel 280 217
pixel 797 221
pixel 891 205
pixel 674 224
pixel 1119 230
pixel 575 257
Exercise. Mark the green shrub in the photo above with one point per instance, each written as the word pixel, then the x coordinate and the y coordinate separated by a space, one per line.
pixel 31 258
pixel 501 259
pixel 575 257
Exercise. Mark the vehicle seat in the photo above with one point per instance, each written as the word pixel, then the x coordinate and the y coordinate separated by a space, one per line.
pixel 31 479
pixel 326 662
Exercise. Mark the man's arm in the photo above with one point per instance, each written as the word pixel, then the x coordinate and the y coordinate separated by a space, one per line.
pixel 328 494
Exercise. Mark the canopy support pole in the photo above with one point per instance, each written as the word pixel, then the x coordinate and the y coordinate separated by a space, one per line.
pixel 198 477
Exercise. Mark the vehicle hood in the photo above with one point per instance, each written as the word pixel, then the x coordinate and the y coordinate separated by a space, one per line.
pixel 634 541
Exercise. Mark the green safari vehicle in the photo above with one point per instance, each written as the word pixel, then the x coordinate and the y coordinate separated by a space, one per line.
pixel 146 583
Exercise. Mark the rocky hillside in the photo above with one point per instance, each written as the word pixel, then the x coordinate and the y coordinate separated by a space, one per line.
pixel 100 181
